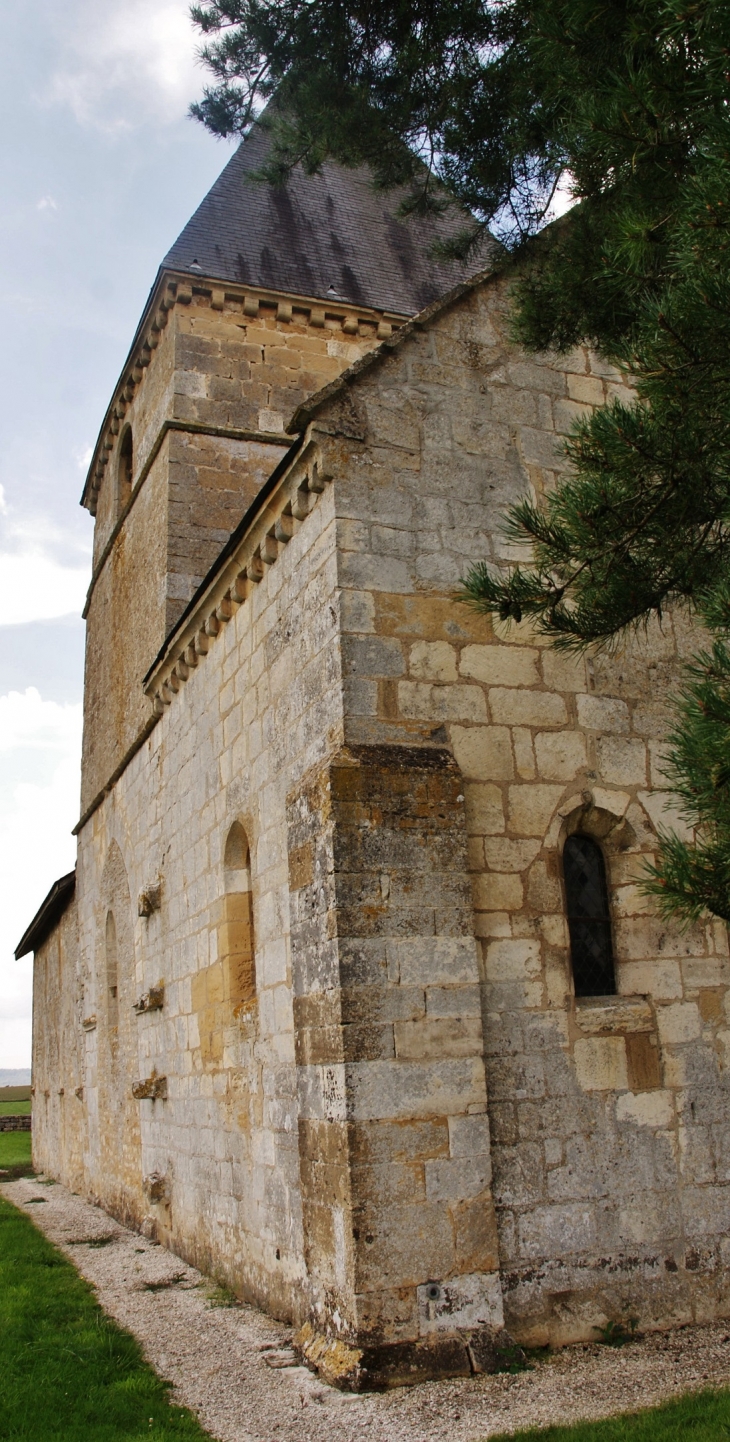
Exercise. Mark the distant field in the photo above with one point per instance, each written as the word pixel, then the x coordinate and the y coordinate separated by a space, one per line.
pixel 15 1094
pixel 14 1109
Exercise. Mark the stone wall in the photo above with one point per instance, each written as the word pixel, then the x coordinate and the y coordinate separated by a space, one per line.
pixel 608 1119
pixel 59 1044
pixel 207 413
pixel 15 1124
pixel 323 1145
pixel 217 1173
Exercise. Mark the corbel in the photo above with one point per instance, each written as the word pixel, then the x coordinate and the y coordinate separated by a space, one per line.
pixel 156 1187
pixel 191 655
pixel 255 569
pixel 212 625
pixel 224 609
pixel 152 1088
pixel 284 528
pixel 269 549
pixel 217 299
pixel 250 305
pixel 316 316
pixel 301 504
pixel 152 1000
pixel 350 325
pixel 284 310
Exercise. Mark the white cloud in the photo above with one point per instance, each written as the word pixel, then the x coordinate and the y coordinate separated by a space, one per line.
pixel 27 720
pixel 82 456
pixel 121 66
pixel 33 587
pixel 36 845
pixel 47 202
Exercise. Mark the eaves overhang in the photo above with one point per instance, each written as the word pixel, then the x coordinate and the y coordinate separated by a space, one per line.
pixel 48 914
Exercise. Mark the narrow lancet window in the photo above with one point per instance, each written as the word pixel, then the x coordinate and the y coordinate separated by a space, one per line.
pixel 236 943
pixel 125 470
pixel 589 922
pixel 112 979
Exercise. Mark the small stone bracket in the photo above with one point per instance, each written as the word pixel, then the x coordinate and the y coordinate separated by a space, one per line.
pixel 149 900
pixel 89 1023
pixel 152 1000
pixel 153 1088
pixel 156 1188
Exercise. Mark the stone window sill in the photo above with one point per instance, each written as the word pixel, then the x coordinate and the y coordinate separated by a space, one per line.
pixel 606 1015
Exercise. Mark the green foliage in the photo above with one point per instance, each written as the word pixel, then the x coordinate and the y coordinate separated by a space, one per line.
pixel 68 1371
pixel 503 99
pixel 15 1109
pixel 617 1334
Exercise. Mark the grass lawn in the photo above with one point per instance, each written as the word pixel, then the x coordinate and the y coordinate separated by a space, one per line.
pixel 15 1155
pixel 15 1109
pixel 69 1373
pixel 703 1417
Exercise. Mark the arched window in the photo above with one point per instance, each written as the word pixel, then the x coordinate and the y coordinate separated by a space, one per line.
pixel 589 922
pixel 237 941
pixel 112 981
pixel 124 469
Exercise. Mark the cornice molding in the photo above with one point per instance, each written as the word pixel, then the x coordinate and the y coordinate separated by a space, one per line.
pixel 178 288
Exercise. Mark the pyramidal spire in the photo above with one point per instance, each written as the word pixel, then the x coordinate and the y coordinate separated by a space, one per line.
pixel 324 235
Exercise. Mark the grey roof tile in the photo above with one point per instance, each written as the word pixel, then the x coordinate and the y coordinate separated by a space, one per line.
pixel 326 235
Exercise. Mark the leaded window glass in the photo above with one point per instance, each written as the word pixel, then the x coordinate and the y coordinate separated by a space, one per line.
pixel 589 923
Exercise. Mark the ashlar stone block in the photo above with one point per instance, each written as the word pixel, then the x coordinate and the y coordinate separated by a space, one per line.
pixel 500 665
pixel 527 708
pixel 433 661
pixel 600 1063
pixel 560 755
pixel 483 753
pixel 531 808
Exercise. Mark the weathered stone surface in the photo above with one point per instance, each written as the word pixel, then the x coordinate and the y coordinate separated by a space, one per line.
pixel 379 1081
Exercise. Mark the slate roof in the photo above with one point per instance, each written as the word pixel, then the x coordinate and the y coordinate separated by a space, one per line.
pixel 325 236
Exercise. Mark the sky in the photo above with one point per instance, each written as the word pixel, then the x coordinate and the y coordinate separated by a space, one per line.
pixel 100 168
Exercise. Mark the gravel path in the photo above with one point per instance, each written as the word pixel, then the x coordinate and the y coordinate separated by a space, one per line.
pixel 216 1357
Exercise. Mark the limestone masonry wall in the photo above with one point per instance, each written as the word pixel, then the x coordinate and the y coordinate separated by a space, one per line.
pixel 355 794
pixel 608 1117
pixel 226 369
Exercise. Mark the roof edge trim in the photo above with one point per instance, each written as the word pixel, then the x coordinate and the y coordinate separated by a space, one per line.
pixel 48 914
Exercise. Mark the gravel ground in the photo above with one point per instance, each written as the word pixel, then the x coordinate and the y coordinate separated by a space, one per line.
pixel 216 1357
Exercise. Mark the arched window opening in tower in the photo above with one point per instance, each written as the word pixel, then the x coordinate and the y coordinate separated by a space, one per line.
pixel 125 467
pixel 589 921
pixel 112 979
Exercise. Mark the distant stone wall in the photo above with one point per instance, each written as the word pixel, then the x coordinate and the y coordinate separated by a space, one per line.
pixel 15 1124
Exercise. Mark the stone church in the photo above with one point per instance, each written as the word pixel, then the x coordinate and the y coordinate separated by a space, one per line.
pixel 354 999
